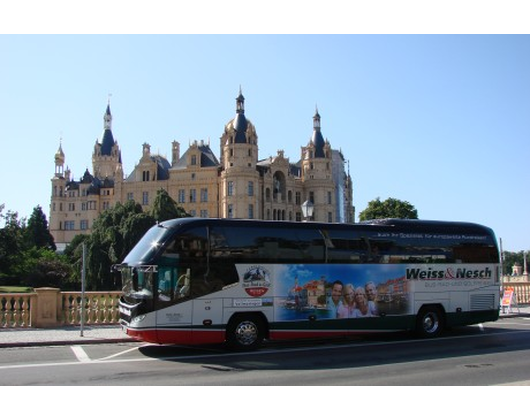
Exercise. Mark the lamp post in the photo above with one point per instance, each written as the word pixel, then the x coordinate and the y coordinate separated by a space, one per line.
pixel 307 210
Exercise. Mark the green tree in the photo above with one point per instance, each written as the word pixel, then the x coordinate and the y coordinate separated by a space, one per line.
pixel 42 267
pixel 37 233
pixel 11 246
pixel 511 258
pixel 390 208
pixel 165 208
pixel 114 234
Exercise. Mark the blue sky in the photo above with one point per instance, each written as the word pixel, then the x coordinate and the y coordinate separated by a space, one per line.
pixel 441 121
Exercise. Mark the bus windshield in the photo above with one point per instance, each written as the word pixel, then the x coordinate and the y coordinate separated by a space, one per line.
pixel 147 248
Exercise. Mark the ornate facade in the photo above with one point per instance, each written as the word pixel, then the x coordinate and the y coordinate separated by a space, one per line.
pixel 239 185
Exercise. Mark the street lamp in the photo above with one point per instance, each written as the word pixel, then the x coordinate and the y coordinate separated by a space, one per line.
pixel 307 210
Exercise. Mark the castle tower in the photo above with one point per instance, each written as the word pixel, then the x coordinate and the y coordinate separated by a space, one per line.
pixel 58 195
pixel 317 176
pixel 239 178
pixel 107 156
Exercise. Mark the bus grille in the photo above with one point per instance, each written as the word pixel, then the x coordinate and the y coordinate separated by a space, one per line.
pixel 482 302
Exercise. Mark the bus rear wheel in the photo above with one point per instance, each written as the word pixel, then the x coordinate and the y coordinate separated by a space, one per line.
pixel 245 332
pixel 430 322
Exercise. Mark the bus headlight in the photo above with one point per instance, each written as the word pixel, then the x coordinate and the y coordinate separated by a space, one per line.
pixel 138 318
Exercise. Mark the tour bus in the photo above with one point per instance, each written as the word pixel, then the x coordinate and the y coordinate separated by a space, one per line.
pixel 199 281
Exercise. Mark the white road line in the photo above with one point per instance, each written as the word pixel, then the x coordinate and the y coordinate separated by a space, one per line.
pixel 121 352
pixel 80 354
pixel 518 383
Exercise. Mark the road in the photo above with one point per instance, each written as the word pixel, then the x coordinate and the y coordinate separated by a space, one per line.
pixel 490 354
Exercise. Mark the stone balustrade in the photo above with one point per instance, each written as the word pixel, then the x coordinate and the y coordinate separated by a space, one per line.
pixel 15 309
pixel 49 307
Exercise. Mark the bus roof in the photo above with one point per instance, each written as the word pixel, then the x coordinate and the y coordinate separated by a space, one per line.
pixel 409 225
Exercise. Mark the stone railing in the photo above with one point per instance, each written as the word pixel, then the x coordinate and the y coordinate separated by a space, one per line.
pixel 49 307
pixel 15 309
pixel 99 308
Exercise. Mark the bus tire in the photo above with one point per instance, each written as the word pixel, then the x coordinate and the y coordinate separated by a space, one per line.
pixel 245 332
pixel 430 322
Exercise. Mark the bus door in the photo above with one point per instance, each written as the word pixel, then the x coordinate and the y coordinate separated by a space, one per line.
pixel 174 308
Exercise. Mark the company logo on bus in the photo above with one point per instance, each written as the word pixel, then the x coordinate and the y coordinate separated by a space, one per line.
pixel 449 274
pixel 256 281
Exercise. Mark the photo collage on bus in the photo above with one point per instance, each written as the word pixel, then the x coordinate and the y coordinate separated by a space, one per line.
pixel 330 291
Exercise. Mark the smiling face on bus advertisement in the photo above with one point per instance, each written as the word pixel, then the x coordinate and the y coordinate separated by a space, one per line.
pixel 330 291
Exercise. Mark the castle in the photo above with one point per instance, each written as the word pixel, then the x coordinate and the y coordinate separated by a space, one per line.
pixel 239 185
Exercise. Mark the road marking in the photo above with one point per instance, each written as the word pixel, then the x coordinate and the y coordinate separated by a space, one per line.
pixel 121 352
pixel 518 383
pixel 80 354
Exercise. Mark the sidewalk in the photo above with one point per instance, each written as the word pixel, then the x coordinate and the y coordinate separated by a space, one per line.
pixel 31 337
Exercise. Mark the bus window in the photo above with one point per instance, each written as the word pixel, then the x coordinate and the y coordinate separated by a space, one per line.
pixel 408 248
pixel 344 246
pixel 267 245
pixel 183 266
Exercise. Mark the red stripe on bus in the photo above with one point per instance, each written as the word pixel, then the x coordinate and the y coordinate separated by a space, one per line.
pixel 175 336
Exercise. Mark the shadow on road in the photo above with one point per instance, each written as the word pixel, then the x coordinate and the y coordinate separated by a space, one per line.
pixel 376 350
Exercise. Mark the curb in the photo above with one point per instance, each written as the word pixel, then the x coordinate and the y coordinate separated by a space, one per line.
pixel 68 342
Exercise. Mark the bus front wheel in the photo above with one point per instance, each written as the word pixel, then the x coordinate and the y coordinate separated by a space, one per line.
pixel 430 322
pixel 245 332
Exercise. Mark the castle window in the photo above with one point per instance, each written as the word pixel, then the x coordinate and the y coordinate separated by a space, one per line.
pixel 194 160
pixel 204 195
pixel 182 196
pixel 193 195
pixel 69 225
pixel 250 188
pixel 145 176
pixel 298 198
pixel 251 211
pixel 130 196
pixel 84 225
pixel 145 198
pixel 230 188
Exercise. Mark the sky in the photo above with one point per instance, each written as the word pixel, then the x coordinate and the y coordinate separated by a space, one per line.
pixel 441 121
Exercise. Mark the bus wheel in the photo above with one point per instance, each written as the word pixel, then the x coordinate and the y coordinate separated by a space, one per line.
pixel 430 322
pixel 245 332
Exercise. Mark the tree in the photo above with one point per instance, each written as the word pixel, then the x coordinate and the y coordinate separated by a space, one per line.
pixel 390 208
pixel 512 258
pixel 165 208
pixel 114 234
pixel 37 233
pixel 11 245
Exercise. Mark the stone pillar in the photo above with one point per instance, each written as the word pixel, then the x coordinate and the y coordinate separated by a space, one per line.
pixel 47 307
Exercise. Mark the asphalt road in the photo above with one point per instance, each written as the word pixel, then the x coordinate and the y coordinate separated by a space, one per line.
pixel 490 354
